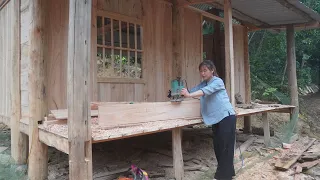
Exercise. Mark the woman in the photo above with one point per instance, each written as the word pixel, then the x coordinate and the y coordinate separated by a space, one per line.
pixel 216 110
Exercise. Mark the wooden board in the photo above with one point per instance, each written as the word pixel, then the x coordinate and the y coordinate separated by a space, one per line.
pixel 6 58
pixel 25 60
pixel 56 38
pixel 114 115
pixel 192 44
pixel 63 113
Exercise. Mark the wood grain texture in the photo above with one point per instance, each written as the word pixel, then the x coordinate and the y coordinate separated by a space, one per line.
pixel 19 141
pixel 38 152
pixel 6 57
pixel 192 44
pixel 25 58
pixel 177 153
pixel 120 114
pixel 229 51
pixel 79 122
pixel 56 53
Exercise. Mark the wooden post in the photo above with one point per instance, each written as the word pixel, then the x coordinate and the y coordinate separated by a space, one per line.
pixel 178 36
pixel 266 129
pixel 177 153
pixel 229 63
pixel 247 119
pixel 79 121
pixel 38 152
pixel 19 141
pixel 291 70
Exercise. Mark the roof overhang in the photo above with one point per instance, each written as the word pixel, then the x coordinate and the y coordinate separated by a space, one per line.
pixel 267 14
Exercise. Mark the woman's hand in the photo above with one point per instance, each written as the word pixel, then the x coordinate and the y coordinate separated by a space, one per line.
pixel 185 92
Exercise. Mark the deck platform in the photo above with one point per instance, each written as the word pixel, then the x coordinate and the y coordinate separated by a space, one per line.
pixel 56 134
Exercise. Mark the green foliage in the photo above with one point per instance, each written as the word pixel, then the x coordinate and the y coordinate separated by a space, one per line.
pixel 267 53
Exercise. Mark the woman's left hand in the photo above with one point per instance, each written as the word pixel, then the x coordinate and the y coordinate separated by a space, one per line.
pixel 185 92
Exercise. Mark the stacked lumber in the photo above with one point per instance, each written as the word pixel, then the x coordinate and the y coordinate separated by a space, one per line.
pixel 300 156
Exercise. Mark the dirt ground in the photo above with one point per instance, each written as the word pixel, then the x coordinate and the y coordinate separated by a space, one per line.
pixel 153 153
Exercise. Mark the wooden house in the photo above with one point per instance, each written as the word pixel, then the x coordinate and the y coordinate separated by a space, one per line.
pixel 65 54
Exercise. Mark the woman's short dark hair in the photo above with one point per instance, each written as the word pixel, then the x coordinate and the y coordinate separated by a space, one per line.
pixel 209 64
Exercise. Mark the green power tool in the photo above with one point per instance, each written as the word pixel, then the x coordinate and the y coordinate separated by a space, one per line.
pixel 174 92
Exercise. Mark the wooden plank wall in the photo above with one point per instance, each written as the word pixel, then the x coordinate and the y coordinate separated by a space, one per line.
pixel 192 39
pixel 24 38
pixel 6 37
pixel 157 55
pixel 239 74
pixel 57 18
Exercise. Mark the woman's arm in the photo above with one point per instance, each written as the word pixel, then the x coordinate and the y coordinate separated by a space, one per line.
pixel 185 93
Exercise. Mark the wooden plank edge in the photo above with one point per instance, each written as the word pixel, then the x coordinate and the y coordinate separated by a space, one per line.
pixel 140 133
pixel 53 140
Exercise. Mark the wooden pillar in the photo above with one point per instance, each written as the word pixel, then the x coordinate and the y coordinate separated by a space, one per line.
pixel 178 37
pixel 291 70
pixel 177 153
pixel 79 117
pixel 247 119
pixel 38 152
pixel 19 141
pixel 266 129
pixel 229 62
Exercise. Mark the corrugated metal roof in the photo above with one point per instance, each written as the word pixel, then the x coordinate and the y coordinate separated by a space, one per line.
pixel 264 13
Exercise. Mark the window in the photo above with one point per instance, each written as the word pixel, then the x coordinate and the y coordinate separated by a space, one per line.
pixel 119 47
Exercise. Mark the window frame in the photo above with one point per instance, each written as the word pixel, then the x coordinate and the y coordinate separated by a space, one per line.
pixel 129 20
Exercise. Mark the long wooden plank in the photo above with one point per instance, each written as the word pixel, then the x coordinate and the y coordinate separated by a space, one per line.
pixel 63 113
pixel 38 152
pixel 114 115
pixel 229 53
pixel 79 123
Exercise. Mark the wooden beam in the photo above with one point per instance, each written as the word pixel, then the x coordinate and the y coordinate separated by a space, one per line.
pixel 53 140
pixel 178 39
pixel 79 121
pixel 3 3
pixel 247 119
pixel 293 8
pixel 93 63
pixel 292 70
pixel 266 129
pixel 19 141
pixel 177 153
pixel 38 152
pixel 206 14
pixel 229 62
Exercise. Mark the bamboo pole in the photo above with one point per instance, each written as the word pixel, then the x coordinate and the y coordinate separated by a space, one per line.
pixel 38 152
pixel 79 121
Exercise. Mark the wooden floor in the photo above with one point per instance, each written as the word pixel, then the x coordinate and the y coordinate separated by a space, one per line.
pixel 56 135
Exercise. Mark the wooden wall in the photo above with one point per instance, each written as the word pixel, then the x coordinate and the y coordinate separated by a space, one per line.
pixel 6 58
pixel 24 40
pixel 157 51
pixel 57 19
pixel 239 33
pixel 193 47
